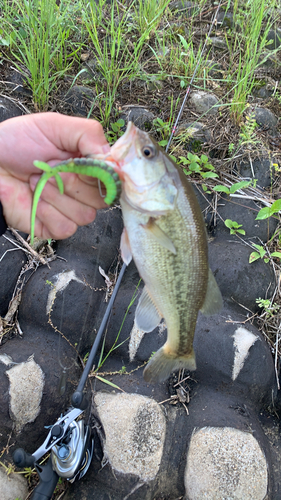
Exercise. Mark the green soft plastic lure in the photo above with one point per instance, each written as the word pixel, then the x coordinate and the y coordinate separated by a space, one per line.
pixel 85 166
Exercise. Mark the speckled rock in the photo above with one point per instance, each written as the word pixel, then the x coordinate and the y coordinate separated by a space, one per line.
pixel 13 486
pixel 133 444
pixel 225 463
pixel 204 102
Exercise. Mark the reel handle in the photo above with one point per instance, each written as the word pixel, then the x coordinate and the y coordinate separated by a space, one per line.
pixel 22 459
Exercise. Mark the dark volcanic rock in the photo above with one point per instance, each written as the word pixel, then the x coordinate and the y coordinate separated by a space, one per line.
pixel 78 101
pixel 238 280
pixel 8 109
pixel 12 261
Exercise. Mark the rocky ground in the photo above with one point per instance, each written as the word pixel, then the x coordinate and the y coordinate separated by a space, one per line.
pixel 212 434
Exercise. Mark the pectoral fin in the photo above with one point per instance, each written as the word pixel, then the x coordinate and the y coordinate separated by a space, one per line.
pixel 154 230
pixel 213 300
pixel 147 316
pixel 126 252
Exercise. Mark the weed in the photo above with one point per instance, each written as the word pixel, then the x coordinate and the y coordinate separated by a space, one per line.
pixel 234 227
pixel 116 131
pixel 269 308
pixel 199 165
pixel 267 212
pixel 234 187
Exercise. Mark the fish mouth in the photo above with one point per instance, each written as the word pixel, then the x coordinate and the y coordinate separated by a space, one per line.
pixel 120 150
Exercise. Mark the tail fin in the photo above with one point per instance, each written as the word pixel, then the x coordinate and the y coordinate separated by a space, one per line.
pixel 161 365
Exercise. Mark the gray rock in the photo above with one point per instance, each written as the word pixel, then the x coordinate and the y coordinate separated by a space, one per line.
pixel 13 486
pixel 139 115
pixel 244 212
pixel 225 463
pixel 26 388
pixel 217 43
pixel 12 261
pixel 189 8
pixel 262 168
pixel 214 69
pixel 237 279
pixel 133 444
pixel 8 109
pixel 264 92
pixel 265 118
pixel 78 100
pixel 204 102
pixel 225 19
pixel 274 39
pixel 197 131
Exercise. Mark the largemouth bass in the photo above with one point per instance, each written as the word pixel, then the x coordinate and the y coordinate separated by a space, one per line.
pixel 164 232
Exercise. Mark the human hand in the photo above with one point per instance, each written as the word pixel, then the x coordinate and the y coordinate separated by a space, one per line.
pixel 52 138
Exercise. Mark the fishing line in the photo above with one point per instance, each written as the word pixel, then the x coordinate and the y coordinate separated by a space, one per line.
pixel 192 79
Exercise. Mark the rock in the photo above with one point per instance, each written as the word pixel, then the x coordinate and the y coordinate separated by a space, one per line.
pixel 13 486
pixel 217 43
pixel 139 115
pixel 26 388
pixel 263 92
pixel 274 39
pixel 225 19
pixel 196 132
pixel 244 212
pixel 8 109
pixel 237 279
pixel 12 261
pixel 98 242
pixel 214 69
pixel 265 118
pixel 78 101
pixel 225 463
pixel 262 168
pixel 133 444
pixel 18 84
pixel 204 102
pixel 189 8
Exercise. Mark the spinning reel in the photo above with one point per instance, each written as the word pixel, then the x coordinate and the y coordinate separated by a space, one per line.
pixel 69 440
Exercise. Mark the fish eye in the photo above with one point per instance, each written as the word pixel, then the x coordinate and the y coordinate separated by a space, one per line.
pixel 148 151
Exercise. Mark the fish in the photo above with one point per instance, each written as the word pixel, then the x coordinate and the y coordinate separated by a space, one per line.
pixel 164 233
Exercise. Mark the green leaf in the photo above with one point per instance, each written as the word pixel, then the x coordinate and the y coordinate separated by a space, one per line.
pixel 221 189
pixel 194 167
pixel 209 175
pixel 184 160
pixel 228 223
pixel 108 383
pixel 241 231
pixel 204 158
pixel 276 206
pixel 163 143
pixel 184 42
pixel 254 256
pixel 239 185
pixel 173 158
pixel 276 254
pixel 264 213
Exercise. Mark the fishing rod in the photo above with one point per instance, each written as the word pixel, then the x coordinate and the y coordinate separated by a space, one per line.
pixel 69 441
